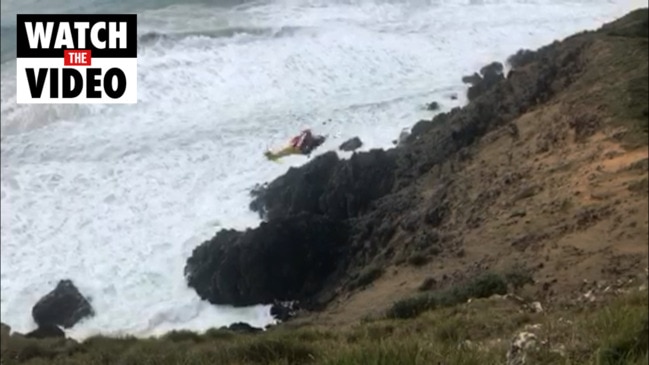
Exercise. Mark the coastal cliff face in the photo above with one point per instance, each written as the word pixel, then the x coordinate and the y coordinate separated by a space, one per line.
pixel 544 171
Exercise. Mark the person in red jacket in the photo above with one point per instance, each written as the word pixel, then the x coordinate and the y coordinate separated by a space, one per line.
pixel 304 143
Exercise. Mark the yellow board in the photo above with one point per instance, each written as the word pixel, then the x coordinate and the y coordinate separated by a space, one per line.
pixel 286 151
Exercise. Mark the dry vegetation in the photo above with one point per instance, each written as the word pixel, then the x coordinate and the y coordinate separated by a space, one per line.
pixel 613 331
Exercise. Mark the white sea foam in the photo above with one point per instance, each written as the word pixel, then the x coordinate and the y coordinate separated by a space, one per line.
pixel 115 198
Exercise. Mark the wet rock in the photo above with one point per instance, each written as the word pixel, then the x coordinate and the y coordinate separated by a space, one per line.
pixel 328 186
pixel 420 128
pixel 46 331
pixel 432 106
pixel 351 144
pixel 491 75
pixel 64 306
pixel 283 311
pixel 491 70
pixel 403 137
pixel 473 80
pixel 284 259
pixel 298 190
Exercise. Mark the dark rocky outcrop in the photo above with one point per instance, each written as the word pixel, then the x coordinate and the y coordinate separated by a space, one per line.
pixel 285 259
pixel 489 76
pixel 521 58
pixel 339 189
pixel 299 190
pixel 283 311
pixel 351 144
pixel 64 306
pixel 46 331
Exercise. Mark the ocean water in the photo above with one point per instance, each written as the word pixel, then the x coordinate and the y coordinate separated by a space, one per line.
pixel 116 197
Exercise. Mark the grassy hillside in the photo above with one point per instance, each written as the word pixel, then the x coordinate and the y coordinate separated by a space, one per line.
pixel 479 332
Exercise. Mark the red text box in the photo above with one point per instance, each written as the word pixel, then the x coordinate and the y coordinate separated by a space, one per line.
pixel 76 57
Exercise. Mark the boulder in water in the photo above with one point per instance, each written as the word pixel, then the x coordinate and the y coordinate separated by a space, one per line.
pixel 351 144
pixel 63 306
pixel 433 106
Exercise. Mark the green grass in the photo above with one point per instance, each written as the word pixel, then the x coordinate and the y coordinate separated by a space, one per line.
pixel 468 333
pixel 480 287
pixel 366 277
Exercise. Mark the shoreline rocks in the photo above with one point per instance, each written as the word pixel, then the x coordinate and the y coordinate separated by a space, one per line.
pixel 351 144
pixel 64 306
pixel 284 259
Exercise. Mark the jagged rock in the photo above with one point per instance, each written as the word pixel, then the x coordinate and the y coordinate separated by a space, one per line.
pixel 329 186
pixel 521 344
pixel 432 106
pixel 491 75
pixel 418 129
pixel 46 331
pixel 242 327
pixel 491 70
pixel 298 190
pixel 351 144
pixel 521 58
pixel 64 306
pixel 283 311
pixel 284 259
pixel 473 80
